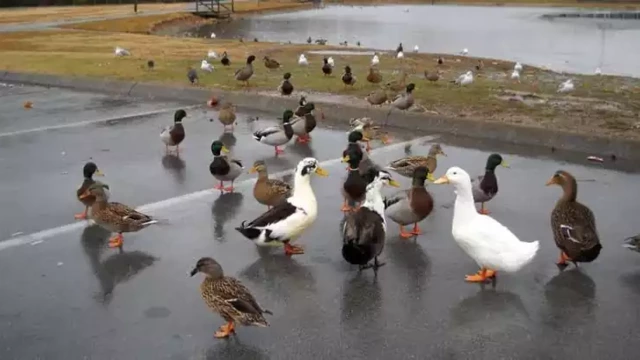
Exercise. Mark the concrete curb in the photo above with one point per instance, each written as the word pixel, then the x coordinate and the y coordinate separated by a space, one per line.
pixel 626 149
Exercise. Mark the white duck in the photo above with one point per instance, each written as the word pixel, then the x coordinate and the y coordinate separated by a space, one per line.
pixel 515 75
pixel 375 60
pixel 286 221
pixel 213 35
pixel 517 67
pixel 416 49
pixel 212 54
pixel 331 62
pixel 492 245
pixel 121 51
pixel 464 51
pixel 566 86
pixel 302 60
pixel 598 71
pixel 400 55
pixel 465 79
pixel 205 66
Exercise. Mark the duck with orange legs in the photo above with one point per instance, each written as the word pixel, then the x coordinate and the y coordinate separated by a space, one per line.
pixel 89 170
pixel 410 206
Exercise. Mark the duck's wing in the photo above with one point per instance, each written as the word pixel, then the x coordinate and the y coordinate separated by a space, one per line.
pixel 278 220
pixel 479 195
pixel 395 198
pixel 237 295
pixel 407 161
pixel 278 187
pixel 128 213
pixel 266 132
pixel 362 228
pixel 578 227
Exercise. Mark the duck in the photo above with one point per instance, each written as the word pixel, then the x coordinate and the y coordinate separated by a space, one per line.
pixel 270 63
pixel 302 60
pixel 229 298
pixel 353 144
pixel 400 55
pixel 303 107
pixel 192 75
pixel 464 51
pixel 88 171
pixel 517 67
pixel 151 64
pixel 480 65
pixel 331 62
pixel 212 54
pixel 398 84
pixel 399 49
pixel 485 187
pixel 515 75
pixel 566 86
pixel 410 206
pixel 369 131
pixel 269 192
pixel 364 231
pixel 286 88
pixel 275 135
pixel 174 134
pixel 598 71
pixel 205 66
pixel 213 35
pixel 374 76
pixel 286 221
pixel 489 243
pixel 407 165
pixel 303 125
pixel 432 76
pixel 465 79
pixel 440 60
pixel 348 78
pixel 309 40
pixel 245 73
pixel 405 101
pixel 227 115
pixel 416 49
pixel 632 243
pixel 375 60
pixel 377 97
pixel 121 51
pixel 355 185
pixel 327 69
pixel 115 217
pixel 225 61
pixel 573 224
pixel 223 168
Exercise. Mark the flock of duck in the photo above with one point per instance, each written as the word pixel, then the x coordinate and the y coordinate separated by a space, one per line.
pixel 293 208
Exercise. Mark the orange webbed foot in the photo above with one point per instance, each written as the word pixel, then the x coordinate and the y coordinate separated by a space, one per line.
pixel 225 331
pixel 292 249
pixel 481 276
pixel 484 211
pixel 80 216
pixel 404 234
pixel 416 230
pixel 116 241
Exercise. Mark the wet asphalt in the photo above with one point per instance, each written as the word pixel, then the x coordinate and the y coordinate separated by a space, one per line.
pixel 68 296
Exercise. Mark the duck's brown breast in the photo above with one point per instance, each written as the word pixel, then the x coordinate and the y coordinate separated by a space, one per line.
pixel 420 201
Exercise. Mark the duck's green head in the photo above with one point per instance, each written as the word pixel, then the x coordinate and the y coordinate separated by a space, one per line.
pixel 179 115
pixel 217 147
pixel 91 169
pixel 411 87
pixel 352 157
pixel 287 115
pixel 356 136
pixel 495 160
pixel 420 175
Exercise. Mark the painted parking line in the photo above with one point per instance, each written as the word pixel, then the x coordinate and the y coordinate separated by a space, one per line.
pixel 43 235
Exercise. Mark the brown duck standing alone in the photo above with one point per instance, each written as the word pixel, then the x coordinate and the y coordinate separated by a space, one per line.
pixel 271 63
pixel 348 78
pixel 573 224
pixel 374 76
pixel 227 115
pixel 89 170
pixel 267 191
pixel 246 72
pixel 228 297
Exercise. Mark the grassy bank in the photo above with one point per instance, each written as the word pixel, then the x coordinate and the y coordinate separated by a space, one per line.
pixel 603 105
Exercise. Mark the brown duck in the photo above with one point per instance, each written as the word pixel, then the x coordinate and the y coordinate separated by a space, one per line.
pixel 377 97
pixel 573 224
pixel 398 84
pixel 407 165
pixel 432 76
pixel 267 191
pixel 411 206
pixel 374 76
pixel 89 170
pixel 228 297
pixel 286 87
pixel 246 72
pixel 270 63
pixel 227 115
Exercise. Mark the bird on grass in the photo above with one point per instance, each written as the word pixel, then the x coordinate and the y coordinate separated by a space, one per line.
pixel 228 297
pixel 327 69
pixel 270 63
pixel 150 64
pixel 246 72
pixel 225 59
pixel 348 78
pixel 399 49
pixel 374 75
pixel 205 66
pixel 286 88
pixel 302 60
pixel 432 76
pixel 192 75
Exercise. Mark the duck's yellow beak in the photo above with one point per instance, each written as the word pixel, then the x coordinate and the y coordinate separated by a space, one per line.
pixel 321 172
pixel 551 181
pixel 345 159
pixel 253 170
pixel 98 173
pixel 225 150
pixel 430 177
pixel 394 183
pixel 504 164
pixel 442 180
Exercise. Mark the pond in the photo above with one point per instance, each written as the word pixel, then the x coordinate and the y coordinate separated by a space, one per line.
pixel 512 33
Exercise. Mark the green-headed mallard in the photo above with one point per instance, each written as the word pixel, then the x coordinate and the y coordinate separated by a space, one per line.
pixel 88 170
pixel 228 297
pixel 348 78
pixel 174 134
pixel 227 115
pixel 366 164
pixel 286 88
pixel 364 231
pixel 411 206
pixel 573 224
pixel 115 217
pixel 485 187
pixel 271 63
pixel 267 191
pixel 327 69
pixel 286 221
pixel 223 168
pixel 369 130
pixel 355 185
pixel 303 107
pixel 374 75
pixel 276 135
pixel 246 72
pixel 407 165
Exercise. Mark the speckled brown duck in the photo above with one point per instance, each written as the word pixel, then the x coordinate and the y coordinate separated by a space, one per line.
pixel 268 191
pixel 406 166
pixel 270 63
pixel 227 115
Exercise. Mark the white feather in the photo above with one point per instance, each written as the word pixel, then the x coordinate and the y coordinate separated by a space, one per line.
pixel 165 135
pixel 330 61
pixel 302 60
pixel 375 60
pixel 206 66
pixel 517 67
pixel 400 55
pixel 121 51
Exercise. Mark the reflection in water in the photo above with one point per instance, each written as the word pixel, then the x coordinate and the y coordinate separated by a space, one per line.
pixel 233 348
pixel 228 139
pixel 175 165
pixel 302 150
pixel 570 299
pixel 224 208
pixel 361 301
pixel 414 262
pixel 115 269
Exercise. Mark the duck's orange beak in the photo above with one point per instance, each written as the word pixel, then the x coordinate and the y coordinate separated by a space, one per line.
pixel 551 181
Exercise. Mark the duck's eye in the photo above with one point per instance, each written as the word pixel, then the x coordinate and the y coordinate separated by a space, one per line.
pixel 455 173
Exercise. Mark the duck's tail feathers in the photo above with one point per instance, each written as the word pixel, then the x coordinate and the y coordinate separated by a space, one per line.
pixel 355 254
pixel 260 323
pixel 267 311
pixel 249 232
pixel 523 256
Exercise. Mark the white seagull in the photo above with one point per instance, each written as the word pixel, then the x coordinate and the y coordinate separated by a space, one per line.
pixel 464 51
pixel 302 60
pixel 121 52
pixel 416 49
pixel 330 61
pixel 517 67
pixel 400 55
pixel 212 54
pixel 205 66
pixel 598 71
pixel 213 35
pixel 465 79
pixel 566 86
pixel 515 75
pixel 375 60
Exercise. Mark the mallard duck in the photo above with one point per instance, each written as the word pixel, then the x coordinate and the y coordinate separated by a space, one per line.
pixel 286 88
pixel 407 165
pixel 246 72
pixel 227 115
pixel 309 40
pixel 271 63
pixel 151 64
pixel 366 164
pixel 411 206
pixel 490 244
pixel 374 76
pixel 302 108
pixel 225 59
pixel 222 168
pixel 275 135
pixel 399 49
pixel 632 243
pixel 398 84
pixel 348 78
pixel 115 217
pixel 405 101
pixel 573 224
pixel 432 76
pixel 267 191
pixel 327 69
pixel 355 185
pixel 485 187
pixel 286 221
pixel 228 297
pixel 364 231
pixel 369 130
pixel 377 97
pixel 303 125
pixel 192 75
pixel 174 134
pixel 88 170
